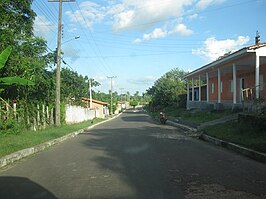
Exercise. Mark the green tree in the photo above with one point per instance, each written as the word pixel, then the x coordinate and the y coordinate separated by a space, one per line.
pixel 134 103
pixel 74 85
pixel 169 89
pixel 7 81
pixel 16 22
pixel 28 58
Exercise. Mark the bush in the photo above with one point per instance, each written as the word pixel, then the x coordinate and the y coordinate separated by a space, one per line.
pixel 9 126
pixel 134 103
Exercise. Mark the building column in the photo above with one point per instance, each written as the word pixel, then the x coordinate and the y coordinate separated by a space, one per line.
pixel 187 90
pixel 257 77
pixel 219 85
pixel 193 97
pixel 199 88
pixel 234 84
pixel 207 82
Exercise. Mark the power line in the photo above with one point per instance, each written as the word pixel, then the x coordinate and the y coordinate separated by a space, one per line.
pixel 85 36
pixel 97 48
pixel 139 55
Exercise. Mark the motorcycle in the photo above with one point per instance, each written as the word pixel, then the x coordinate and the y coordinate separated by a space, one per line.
pixel 163 118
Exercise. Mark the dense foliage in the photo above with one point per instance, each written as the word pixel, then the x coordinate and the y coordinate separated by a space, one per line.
pixel 31 60
pixel 169 90
pixel 27 72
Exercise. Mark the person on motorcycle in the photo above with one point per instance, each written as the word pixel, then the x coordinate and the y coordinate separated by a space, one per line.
pixel 163 118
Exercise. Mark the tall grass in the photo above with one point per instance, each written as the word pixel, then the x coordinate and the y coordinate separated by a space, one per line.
pixel 239 133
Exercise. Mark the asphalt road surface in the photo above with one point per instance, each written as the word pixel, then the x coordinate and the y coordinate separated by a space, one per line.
pixel 133 157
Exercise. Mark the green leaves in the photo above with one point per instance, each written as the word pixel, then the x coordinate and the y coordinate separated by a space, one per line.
pixel 4 57
pixel 16 80
pixel 168 89
pixel 6 81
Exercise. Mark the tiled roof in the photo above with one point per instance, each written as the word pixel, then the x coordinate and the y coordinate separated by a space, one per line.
pixel 229 56
pixel 95 101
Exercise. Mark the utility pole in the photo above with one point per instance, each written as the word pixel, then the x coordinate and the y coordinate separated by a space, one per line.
pixel 90 94
pixel 121 94
pixel 57 103
pixel 111 93
pixel 58 59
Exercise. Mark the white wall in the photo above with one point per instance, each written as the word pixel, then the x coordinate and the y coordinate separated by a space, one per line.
pixel 75 114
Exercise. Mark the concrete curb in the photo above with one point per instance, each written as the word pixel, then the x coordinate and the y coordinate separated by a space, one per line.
pixel 234 147
pixel 255 155
pixel 182 126
pixel 11 158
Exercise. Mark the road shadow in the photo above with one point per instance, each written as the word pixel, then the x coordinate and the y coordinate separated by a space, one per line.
pixel 22 188
pixel 139 157
pixel 160 162
pixel 138 115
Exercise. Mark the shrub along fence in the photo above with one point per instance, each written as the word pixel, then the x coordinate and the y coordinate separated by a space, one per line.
pixel 22 115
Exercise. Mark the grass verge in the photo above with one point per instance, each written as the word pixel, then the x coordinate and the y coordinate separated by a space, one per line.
pixel 240 134
pixel 193 116
pixel 14 142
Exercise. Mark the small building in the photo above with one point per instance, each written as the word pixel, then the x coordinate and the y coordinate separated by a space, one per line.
pixel 99 106
pixel 122 105
pixel 234 80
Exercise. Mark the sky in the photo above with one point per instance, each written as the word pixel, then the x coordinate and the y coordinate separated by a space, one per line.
pixel 138 41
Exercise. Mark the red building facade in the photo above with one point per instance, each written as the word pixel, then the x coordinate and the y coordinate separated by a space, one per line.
pixel 231 81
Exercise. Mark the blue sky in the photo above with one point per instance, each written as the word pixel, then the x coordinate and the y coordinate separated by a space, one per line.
pixel 140 40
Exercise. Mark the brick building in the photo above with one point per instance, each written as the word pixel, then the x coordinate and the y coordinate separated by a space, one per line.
pixel 234 80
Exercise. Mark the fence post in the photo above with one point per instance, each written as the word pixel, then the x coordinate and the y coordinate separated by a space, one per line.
pixel 38 116
pixel 15 111
pixel 43 117
pixel 52 117
pixel 47 115
pixel 34 124
pixel 7 111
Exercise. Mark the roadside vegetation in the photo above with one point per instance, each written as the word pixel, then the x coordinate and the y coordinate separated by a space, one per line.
pixel 28 78
pixel 168 95
pixel 11 142
pixel 194 117
pixel 242 134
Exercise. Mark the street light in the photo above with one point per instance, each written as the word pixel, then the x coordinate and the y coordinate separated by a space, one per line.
pixel 77 37
pixel 55 57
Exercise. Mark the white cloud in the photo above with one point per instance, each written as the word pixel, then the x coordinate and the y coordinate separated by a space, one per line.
pixel 202 4
pixel 88 14
pixel 193 16
pixel 141 15
pixel 157 33
pixel 180 29
pixel 147 80
pixel 42 27
pixel 138 13
pixel 213 48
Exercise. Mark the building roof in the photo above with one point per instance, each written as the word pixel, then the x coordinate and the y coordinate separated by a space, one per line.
pixel 95 101
pixel 228 57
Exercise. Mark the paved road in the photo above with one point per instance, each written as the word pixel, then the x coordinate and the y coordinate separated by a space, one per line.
pixel 132 157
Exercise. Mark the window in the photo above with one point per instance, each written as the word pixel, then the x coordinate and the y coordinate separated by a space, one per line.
pixel 212 88
pixel 221 86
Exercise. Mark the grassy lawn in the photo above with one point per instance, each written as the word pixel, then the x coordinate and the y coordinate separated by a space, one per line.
pixel 194 116
pixel 10 143
pixel 239 134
